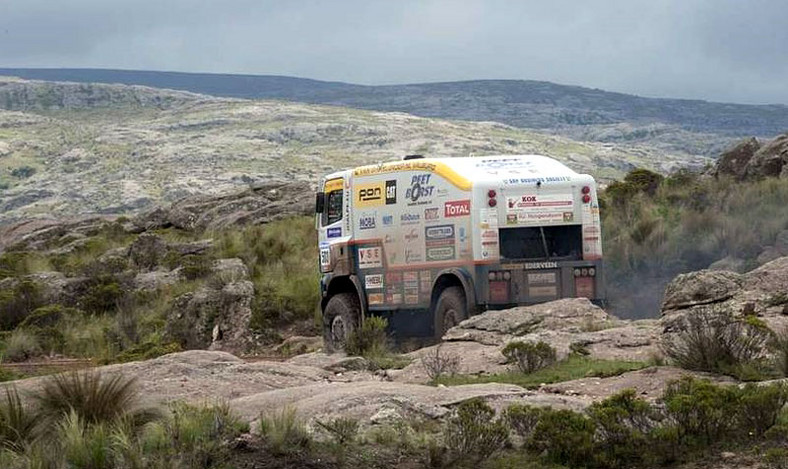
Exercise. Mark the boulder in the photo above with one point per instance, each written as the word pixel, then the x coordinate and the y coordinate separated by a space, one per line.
pixel 701 287
pixel 260 204
pixel 152 281
pixel 769 160
pixel 498 327
pixel 230 270
pixel 216 319
pixel 733 161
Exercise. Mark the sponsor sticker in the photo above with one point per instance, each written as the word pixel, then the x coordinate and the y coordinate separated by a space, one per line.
pixel 369 258
pixel 325 256
pixel 439 232
pixel 440 253
pixel 409 218
pixel 373 282
pixel 457 208
pixel 410 276
pixel 388 220
pixel 367 221
pixel 425 280
pixel 375 298
pixel 369 195
pixel 511 218
pixel 431 214
pixel 391 192
pixel 412 235
pixel 393 277
pixel 334 232
pixel 420 190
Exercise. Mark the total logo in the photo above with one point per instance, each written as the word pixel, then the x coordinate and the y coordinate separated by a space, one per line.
pixel 457 208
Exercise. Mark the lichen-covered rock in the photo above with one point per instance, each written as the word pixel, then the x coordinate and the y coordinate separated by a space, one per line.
pixel 148 250
pixel 770 159
pixel 701 287
pixel 213 319
pixel 733 161
pixel 730 264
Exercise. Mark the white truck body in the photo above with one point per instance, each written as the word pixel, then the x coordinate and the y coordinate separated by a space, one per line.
pixel 510 230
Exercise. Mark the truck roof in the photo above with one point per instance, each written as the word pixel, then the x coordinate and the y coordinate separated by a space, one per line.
pixel 465 171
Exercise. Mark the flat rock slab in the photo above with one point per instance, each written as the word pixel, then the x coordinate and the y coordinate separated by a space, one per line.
pixel 649 383
pixel 200 376
pixel 373 401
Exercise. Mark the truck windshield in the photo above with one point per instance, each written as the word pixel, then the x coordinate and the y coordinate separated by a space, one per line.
pixel 549 242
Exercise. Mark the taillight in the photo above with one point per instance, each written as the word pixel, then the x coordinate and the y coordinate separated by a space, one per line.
pixel 586 199
pixel 586 190
pixel 586 194
pixel 491 198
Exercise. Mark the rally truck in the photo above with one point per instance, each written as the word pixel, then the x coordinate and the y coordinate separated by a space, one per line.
pixel 428 242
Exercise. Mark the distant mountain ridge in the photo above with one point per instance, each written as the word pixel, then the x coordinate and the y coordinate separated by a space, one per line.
pixel 571 110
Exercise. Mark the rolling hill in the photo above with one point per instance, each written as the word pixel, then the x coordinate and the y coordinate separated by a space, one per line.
pixel 692 126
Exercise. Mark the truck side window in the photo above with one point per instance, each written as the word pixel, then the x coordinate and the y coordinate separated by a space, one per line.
pixel 333 211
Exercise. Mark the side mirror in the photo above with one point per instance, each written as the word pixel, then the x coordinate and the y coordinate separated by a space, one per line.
pixel 320 202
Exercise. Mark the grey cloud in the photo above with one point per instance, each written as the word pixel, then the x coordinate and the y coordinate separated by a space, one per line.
pixel 723 50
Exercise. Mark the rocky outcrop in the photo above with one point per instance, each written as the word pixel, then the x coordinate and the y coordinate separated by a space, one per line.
pixel 701 287
pixel 217 316
pixel 770 160
pixel 261 204
pixel 733 161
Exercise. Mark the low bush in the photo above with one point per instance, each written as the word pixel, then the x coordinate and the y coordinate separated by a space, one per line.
pixel 21 345
pixel 523 419
pixel 344 430
pixel 623 426
pixel 529 356
pixel 779 348
pixel 759 407
pixel 702 412
pixel 565 437
pixel 473 433
pixel 17 302
pixel 94 398
pixel 438 363
pixel 102 295
pixel 285 432
pixel 710 339
pixel 369 339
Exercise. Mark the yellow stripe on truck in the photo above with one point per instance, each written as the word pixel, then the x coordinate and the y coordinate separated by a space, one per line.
pixel 439 168
pixel 333 185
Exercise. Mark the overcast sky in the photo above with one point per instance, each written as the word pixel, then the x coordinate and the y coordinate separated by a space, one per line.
pixel 721 50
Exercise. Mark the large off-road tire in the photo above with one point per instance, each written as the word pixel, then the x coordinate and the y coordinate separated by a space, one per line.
pixel 340 319
pixel 450 310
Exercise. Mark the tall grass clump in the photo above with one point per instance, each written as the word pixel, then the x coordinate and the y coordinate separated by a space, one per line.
pixel 284 432
pixel 94 398
pixel 17 422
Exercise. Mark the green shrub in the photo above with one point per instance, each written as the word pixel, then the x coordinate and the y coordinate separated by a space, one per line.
pixel 102 295
pixel 93 397
pixel 370 339
pixel 523 419
pixel 21 345
pixel 17 302
pixel 344 430
pixel 759 407
pixel 776 458
pixel 565 437
pixel 623 423
pixel 644 180
pixel 146 351
pixel 196 266
pixel 779 347
pixel 473 432
pixel 702 412
pixel 710 339
pixel 529 356
pixel 17 422
pixel 285 432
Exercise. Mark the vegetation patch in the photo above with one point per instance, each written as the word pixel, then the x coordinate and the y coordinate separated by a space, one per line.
pixel 574 367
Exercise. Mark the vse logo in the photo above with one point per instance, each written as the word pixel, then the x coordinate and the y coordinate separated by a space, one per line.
pixel 369 195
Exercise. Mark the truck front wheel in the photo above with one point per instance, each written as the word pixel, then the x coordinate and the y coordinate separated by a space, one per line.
pixel 340 319
pixel 450 310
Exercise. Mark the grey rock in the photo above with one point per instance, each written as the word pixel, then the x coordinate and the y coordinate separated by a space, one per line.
pixel 151 281
pixel 770 159
pixel 701 287
pixel 734 160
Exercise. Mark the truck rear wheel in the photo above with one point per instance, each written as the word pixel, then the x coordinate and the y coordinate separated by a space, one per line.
pixel 450 310
pixel 340 319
